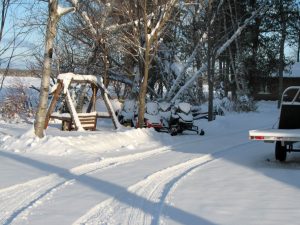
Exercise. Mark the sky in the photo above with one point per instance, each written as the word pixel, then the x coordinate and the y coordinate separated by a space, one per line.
pixel 34 38
pixel 31 36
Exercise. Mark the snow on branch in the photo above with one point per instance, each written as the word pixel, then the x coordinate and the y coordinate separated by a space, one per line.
pixel 85 17
pixel 75 3
pixel 167 10
pixel 88 22
pixel 190 82
pixel 183 71
pixel 64 10
pixel 240 29
pixel 220 50
pixel 191 58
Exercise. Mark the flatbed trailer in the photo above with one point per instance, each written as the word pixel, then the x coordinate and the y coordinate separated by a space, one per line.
pixel 288 131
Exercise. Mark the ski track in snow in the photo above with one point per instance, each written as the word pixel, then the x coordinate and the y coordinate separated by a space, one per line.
pixel 18 199
pixel 143 202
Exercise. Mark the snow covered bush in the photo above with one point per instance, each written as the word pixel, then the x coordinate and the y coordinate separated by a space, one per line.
pixel 244 104
pixel 17 103
pixel 222 105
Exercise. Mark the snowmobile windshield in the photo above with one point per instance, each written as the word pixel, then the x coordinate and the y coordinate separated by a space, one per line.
pixel 184 107
pixel 129 106
pixel 152 108
pixel 164 106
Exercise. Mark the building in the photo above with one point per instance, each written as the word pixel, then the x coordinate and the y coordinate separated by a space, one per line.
pixel 266 88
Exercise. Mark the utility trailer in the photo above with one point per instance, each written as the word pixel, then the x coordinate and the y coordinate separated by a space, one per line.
pixel 288 132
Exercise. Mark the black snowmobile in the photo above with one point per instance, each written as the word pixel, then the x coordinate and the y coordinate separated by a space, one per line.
pixel 182 119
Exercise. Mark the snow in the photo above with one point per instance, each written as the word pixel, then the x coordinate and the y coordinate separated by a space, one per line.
pixel 184 107
pixel 28 81
pixel 73 111
pixel 139 176
pixel 152 108
pixel 64 10
pixel 67 78
pixel 294 71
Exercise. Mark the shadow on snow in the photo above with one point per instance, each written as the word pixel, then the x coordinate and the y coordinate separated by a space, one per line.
pixel 109 188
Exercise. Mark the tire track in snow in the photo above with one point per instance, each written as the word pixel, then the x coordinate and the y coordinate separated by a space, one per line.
pixel 15 200
pixel 21 198
pixel 144 201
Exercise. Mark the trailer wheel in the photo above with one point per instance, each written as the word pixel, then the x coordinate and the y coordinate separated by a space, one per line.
pixel 280 152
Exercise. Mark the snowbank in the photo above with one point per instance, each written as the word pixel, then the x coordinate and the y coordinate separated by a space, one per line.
pixel 61 143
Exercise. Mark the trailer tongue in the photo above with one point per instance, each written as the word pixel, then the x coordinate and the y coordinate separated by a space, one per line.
pixel 288 131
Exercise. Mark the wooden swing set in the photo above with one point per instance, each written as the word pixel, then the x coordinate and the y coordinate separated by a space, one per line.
pixel 74 120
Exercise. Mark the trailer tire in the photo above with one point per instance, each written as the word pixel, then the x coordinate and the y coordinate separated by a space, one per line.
pixel 280 152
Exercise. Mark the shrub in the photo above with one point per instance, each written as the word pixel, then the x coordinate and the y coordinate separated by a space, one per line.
pixel 17 102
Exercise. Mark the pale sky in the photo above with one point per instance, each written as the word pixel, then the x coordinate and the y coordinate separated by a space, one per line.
pixel 19 15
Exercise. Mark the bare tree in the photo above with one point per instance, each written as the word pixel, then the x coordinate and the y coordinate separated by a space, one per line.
pixel 55 13
pixel 218 51
pixel 5 5
pixel 146 23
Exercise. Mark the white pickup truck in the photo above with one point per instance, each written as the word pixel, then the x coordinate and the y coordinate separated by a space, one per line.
pixel 288 131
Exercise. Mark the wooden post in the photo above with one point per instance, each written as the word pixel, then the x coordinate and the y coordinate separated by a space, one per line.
pixel 109 108
pixel 92 104
pixel 94 98
pixel 73 112
pixel 53 102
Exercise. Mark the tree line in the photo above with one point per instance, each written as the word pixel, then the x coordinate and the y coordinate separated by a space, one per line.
pixel 167 49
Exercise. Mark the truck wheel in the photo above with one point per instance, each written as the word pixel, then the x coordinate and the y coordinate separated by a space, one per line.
pixel 280 152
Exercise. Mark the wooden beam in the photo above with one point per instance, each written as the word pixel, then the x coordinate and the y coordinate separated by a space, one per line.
pixel 109 107
pixel 53 103
pixel 73 112
pixel 92 104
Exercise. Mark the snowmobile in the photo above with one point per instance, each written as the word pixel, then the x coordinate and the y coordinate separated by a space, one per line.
pixel 152 118
pixel 182 119
pixel 165 112
pixel 128 113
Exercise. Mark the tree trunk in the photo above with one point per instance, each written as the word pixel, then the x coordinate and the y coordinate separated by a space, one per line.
pixel 298 50
pixel 210 77
pixel 281 52
pixel 144 85
pixel 281 67
pixel 4 10
pixel 210 65
pixel 40 117
pixel 53 18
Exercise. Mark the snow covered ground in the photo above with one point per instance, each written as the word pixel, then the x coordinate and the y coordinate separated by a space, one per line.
pixel 139 176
